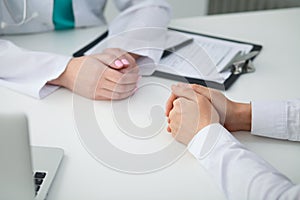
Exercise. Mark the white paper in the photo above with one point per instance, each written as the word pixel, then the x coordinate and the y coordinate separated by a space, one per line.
pixel 204 59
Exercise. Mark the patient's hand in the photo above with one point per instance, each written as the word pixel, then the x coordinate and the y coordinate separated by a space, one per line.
pixel 188 112
pixel 112 74
pixel 234 115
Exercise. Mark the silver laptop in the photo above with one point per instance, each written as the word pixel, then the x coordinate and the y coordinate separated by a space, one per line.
pixel 25 172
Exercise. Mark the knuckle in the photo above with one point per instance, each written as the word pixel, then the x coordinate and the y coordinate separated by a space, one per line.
pixel 176 102
pixel 123 78
pixel 129 78
pixel 194 86
pixel 113 90
pixel 109 58
pixel 172 115
pixel 116 95
pixel 118 49
pixel 116 75
pixel 119 52
pixel 124 95
pixel 182 102
pixel 173 127
pixel 107 51
pixel 201 99
pixel 122 88
pixel 107 72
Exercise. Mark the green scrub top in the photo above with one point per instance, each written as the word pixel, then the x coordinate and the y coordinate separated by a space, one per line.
pixel 63 16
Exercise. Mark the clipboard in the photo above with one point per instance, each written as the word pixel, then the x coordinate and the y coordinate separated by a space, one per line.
pixel 243 66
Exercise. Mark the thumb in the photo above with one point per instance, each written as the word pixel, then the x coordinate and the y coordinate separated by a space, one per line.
pixel 204 91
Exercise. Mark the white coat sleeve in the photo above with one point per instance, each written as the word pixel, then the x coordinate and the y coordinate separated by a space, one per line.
pixel 277 119
pixel 240 173
pixel 28 72
pixel 141 28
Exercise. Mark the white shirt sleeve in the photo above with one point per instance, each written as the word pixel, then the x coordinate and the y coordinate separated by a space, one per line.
pixel 141 29
pixel 277 119
pixel 240 173
pixel 28 72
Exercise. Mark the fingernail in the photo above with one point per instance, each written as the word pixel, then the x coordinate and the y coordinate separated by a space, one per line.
pixel 125 62
pixel 140 77
pixel 118 63
pixel 135 90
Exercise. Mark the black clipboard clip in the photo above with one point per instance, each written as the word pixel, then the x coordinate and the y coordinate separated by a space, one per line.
pixel 242 63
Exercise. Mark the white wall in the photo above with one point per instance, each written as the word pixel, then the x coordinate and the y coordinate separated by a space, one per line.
pixel 181 8
pixel 188 8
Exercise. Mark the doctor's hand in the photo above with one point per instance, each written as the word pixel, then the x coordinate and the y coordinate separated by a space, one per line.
pixel 188 112
pixel 110 75
pixel 234 116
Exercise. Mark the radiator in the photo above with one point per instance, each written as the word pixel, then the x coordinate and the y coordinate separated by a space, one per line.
pixel 228 6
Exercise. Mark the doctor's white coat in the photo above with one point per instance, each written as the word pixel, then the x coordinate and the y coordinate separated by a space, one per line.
pixel 28 71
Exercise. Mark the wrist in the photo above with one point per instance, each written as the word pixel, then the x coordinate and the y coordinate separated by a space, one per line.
pixel 66 79
pixel 240 117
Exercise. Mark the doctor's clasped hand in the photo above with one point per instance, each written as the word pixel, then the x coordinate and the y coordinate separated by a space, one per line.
pixel 112 74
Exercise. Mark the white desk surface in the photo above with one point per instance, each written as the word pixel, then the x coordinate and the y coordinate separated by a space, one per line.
pixel 82 177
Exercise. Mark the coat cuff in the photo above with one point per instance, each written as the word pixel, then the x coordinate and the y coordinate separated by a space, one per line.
pixel 269 119
pixel 205 140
